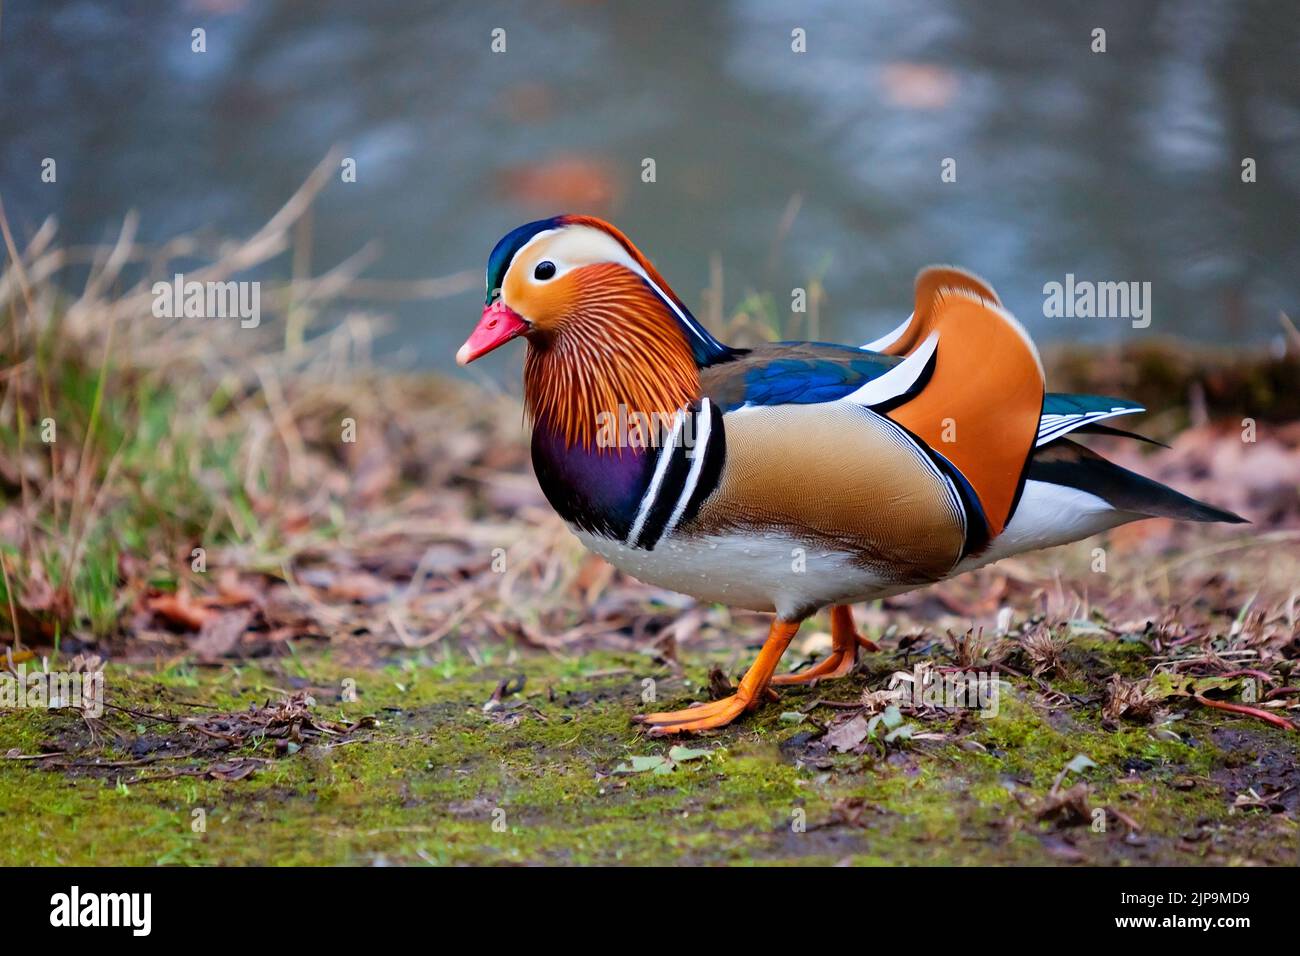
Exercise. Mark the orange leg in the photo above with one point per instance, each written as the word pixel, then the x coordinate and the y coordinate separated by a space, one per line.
pixel 844 651
pixel 752 689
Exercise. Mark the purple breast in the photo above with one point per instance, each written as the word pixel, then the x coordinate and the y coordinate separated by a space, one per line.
pixel 597 489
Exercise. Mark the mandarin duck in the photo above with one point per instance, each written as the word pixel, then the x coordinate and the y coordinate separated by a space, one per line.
pixel 793 476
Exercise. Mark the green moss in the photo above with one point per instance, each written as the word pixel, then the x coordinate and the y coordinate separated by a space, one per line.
pixel 441 781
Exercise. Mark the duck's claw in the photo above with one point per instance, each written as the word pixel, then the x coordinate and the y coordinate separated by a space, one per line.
pixel 839 664
pixel 845 641
pixel 719 713
pixel 753 689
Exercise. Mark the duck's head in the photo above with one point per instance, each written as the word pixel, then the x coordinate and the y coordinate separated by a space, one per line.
pixel 603 327
pixel 545 277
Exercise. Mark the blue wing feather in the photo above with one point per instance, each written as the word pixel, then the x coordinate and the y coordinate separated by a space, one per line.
pixel 820 373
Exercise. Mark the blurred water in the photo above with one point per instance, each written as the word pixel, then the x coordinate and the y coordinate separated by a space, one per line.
pixel 1116 166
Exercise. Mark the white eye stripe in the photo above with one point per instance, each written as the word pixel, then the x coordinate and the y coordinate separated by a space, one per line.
pixel 579 246
pixel 574 248
pixel 520 251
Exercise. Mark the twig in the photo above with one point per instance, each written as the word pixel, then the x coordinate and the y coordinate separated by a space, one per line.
pixel 823 702
pixel 161 718
pixel 52 753
pixel 1255 712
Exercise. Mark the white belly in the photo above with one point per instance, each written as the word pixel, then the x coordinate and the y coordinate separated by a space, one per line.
pixel 760 573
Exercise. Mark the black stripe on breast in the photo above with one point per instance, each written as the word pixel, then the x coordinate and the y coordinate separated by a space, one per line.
pixel 679 466
pixel 677 475
pixel 715 457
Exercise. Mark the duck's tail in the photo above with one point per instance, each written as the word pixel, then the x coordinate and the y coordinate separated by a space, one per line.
pixel 1072 493
pixel 1069 465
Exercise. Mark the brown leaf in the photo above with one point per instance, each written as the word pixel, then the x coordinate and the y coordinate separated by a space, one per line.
pixel 1061 848
pixel 220 635
pixel 232 770
pixel 44 603
pixel 851 811
pixel 359 587
pixel 179 610
pixel 1131 698
pixel 231 590
pixel 1043 647
pixel 1066 807
pixel 720 685
pixel 848 735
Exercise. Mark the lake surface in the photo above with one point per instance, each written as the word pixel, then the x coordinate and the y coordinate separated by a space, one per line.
pixel 1117 166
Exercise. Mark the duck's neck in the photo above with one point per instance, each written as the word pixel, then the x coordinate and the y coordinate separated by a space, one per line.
pixel 602 392
pixel 601 377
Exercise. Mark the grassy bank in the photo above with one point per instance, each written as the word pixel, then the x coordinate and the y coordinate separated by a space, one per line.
pixel 329 600
pixel 555 774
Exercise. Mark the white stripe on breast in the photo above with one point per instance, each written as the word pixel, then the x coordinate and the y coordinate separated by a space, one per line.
pixel 704 423
pixel 657 479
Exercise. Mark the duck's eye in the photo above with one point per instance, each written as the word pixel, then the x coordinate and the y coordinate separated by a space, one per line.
pixel 545 269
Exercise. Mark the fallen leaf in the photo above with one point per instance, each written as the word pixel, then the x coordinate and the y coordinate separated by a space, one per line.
pixel 232 770
pixel 846 736
pixel 1080 763
pixel 1066 807
pixel 640 764
pixel 359 588
pixel 891 717
pixel 179 609
pixel 904 732
pixel 220 634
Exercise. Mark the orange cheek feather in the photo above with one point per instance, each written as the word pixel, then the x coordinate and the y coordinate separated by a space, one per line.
pixel 606 341
pixel 545 304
